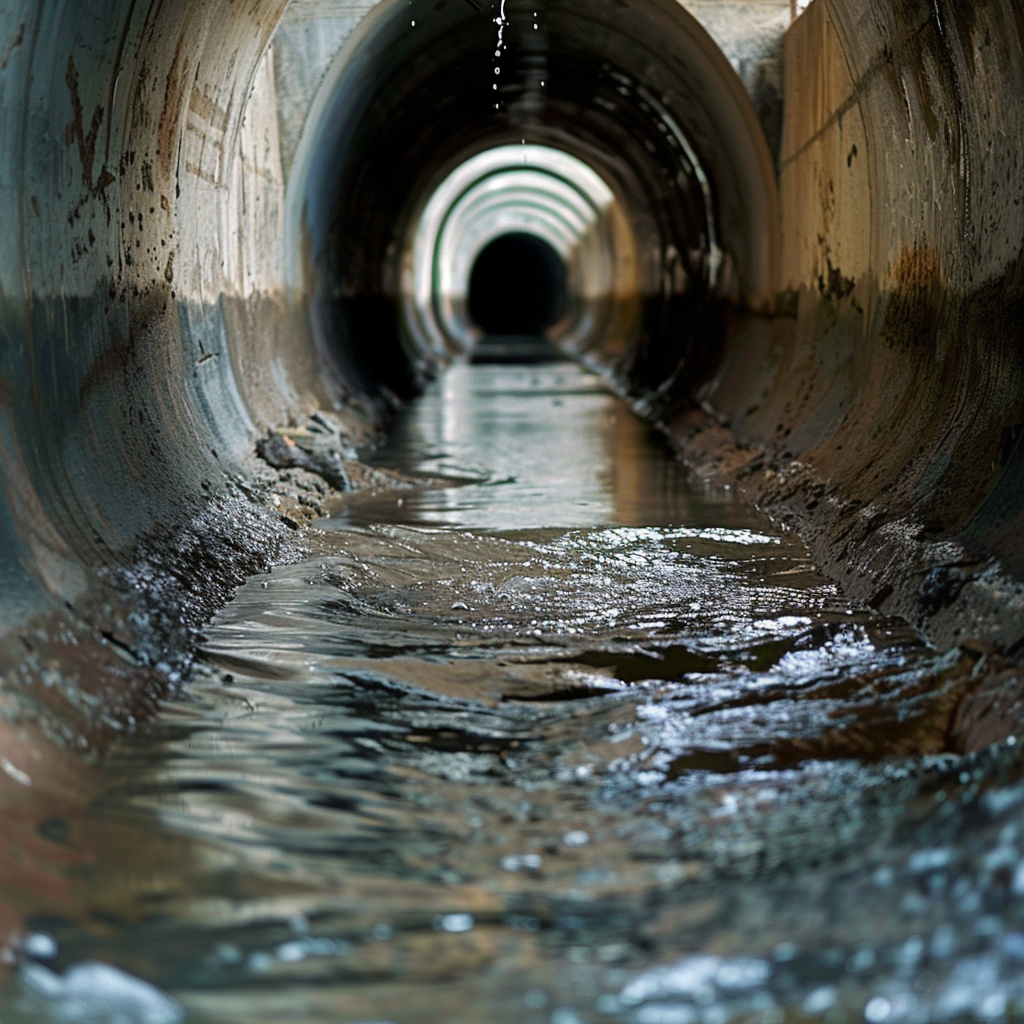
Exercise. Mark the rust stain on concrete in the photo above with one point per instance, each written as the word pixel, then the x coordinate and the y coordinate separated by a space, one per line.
pixel 204 106
pixel 76 132
pixel 917 268
pixel 16 40
pixel 169 114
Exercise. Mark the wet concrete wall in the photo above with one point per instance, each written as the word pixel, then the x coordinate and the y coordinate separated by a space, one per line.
pixel 139 219
pixel 888 401
pixel 155 324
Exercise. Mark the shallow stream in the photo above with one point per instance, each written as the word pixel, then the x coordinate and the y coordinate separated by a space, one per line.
pixel 556 737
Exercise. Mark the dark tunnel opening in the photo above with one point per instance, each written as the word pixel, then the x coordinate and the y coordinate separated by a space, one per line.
pixel 678 220
pixel 517 286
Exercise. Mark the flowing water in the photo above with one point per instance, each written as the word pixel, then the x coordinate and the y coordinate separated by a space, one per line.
pixel 555 737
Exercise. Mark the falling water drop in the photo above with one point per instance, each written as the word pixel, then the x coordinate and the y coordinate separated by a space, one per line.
pixel 500 21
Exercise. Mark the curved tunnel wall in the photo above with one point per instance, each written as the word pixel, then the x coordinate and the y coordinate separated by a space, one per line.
pixel 159 313
pixel 543 196
pixel 136 200
pixel 640 93
pixel 890 398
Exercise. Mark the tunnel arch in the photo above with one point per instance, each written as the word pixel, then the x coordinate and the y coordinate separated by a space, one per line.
pixel 546 193
pixel 675 137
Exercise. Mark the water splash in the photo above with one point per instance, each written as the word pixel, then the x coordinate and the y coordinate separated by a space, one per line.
pixel 502 22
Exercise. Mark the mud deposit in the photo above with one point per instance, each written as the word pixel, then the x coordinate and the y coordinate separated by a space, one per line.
pixel 555 738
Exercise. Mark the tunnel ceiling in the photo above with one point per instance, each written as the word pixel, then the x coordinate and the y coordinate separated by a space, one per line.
pixel 638 92
pixel 209 204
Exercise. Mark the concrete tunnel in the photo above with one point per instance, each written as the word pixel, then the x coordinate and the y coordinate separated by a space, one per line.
pixel 796 243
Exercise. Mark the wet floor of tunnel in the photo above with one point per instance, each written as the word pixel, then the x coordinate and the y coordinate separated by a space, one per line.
pixel 549 735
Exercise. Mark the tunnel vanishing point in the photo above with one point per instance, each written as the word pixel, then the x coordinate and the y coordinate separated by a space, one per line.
pixel 237 234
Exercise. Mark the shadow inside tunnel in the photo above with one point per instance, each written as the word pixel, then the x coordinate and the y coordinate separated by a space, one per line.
pixel 525 349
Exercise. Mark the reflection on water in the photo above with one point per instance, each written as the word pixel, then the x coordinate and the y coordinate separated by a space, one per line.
pixel 532 447
pixel 561 740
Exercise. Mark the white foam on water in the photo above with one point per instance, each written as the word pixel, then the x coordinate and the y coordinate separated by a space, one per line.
pixel 98 993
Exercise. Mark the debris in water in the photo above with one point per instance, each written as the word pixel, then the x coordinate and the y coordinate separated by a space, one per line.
pixel 283 451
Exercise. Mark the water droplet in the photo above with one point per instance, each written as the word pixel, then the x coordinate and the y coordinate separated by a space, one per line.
pixel 993 1006
pixel 41 945
pixel 565 1015
pixel 291 952
pixel 877 1011
pixel 742 973
pixel 15 773
pixel 1018 880
pixel 454 923
pixel 260 963
pixel 535 999
pixel 784 952
pixel 862 960
pixel 884 877
pixel 820 1000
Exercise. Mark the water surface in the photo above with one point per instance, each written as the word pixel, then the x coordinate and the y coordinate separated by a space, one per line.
pixel 554 737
